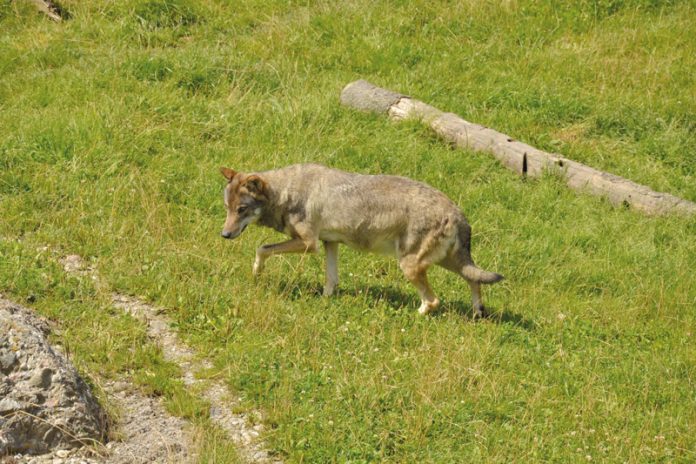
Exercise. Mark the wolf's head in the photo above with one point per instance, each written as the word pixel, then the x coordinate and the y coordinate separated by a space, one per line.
pixel 245 198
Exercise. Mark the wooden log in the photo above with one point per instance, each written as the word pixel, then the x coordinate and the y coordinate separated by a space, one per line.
pixel 517 156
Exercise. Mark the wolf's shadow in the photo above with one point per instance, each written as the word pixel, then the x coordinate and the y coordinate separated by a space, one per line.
pixel 397 298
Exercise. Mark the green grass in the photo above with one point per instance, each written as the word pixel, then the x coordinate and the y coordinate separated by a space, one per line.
pixel 113 125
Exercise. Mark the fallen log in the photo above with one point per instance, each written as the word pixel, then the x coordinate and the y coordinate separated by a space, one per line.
pixel 517 156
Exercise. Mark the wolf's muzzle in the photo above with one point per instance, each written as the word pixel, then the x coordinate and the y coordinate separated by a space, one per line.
pixel 228 234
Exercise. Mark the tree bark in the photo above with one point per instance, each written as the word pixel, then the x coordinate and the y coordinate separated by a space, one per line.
pixel 517 156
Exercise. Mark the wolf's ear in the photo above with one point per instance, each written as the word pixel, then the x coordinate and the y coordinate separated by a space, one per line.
pixel 228 173
pixel 255 185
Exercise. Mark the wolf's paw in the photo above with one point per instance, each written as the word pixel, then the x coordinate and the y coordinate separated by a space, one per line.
pixel 427 307
pixel 480 312
pixel 258 267
pixel 329 291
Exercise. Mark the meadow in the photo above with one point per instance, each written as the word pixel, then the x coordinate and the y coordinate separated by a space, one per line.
pixel 113 125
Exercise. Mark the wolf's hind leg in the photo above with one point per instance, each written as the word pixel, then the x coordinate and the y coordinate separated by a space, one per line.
pixel 455 263
pixel 479 309
pixel 331 267
pixel 416 273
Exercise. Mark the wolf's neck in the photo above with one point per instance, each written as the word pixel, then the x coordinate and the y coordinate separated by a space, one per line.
pixel 273 212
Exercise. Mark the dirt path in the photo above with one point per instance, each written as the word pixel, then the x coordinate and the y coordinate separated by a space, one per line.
pixel 245 436
pixel 148 432
pixel 237 426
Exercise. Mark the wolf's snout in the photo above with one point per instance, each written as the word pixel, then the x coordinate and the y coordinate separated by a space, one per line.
pixel 233 233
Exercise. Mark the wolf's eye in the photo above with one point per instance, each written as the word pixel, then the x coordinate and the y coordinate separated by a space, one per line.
pixel 242 209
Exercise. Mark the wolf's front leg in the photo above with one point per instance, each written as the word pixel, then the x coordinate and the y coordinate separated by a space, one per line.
pixel 331 268
pixel 296 245
pixel 259 262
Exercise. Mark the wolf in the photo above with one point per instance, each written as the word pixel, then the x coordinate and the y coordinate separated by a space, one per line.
pixel 385 214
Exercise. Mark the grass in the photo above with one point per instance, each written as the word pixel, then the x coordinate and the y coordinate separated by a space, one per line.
pixel 113 125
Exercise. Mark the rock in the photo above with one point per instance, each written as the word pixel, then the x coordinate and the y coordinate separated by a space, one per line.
pixel 8 405
pixel 41 378
pixel 7 360
pixel 45 404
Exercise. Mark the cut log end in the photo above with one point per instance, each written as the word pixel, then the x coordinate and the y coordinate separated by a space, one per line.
pixel 365 96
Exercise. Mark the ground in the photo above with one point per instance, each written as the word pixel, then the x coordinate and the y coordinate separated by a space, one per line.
pixel 113 126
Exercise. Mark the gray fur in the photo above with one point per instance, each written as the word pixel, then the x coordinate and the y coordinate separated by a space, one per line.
pixel 392 215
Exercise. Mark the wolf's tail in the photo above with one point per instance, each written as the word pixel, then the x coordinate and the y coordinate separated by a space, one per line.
pixel 472 272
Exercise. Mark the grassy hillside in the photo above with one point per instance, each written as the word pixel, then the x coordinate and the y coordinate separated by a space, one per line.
pixel 113 125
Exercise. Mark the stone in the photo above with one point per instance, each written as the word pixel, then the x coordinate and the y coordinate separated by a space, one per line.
pixel 41 378
pixel 7 360
pixel 8 405
pixel 45 404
